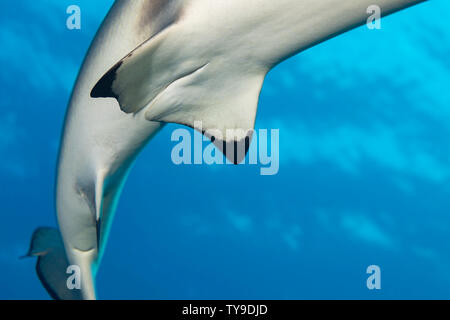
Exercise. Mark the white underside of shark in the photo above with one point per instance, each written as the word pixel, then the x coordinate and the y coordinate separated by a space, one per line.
pixel 159 61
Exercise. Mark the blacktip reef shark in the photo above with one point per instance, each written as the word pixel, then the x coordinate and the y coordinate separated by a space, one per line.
pixel 161 61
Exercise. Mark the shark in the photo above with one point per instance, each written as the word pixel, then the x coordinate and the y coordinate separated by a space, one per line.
pixel 154 62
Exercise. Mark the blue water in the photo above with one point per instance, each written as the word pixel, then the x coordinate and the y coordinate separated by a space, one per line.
pixel 364 174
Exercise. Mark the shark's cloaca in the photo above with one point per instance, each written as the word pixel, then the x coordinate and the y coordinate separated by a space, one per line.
pixel 209 63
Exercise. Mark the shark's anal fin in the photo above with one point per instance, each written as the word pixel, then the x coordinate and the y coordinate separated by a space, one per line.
pixel 52 263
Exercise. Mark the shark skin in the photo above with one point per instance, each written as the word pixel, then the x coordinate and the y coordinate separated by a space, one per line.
pixel 98 147
pixel 209 65
pixel 168 61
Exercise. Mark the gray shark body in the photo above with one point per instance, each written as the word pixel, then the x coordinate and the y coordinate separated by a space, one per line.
pixel 156 61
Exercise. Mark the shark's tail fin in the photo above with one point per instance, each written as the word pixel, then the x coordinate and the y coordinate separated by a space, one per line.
pixel 47 246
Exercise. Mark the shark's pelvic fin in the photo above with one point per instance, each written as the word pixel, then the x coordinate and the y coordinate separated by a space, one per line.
pixel 219 101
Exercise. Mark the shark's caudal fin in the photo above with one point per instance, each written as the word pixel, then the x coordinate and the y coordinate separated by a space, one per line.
pixel 47 246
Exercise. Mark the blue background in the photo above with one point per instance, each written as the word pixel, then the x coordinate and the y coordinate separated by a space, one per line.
pixel 364 174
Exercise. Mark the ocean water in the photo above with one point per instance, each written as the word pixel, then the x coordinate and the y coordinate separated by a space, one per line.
pixel 364 122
